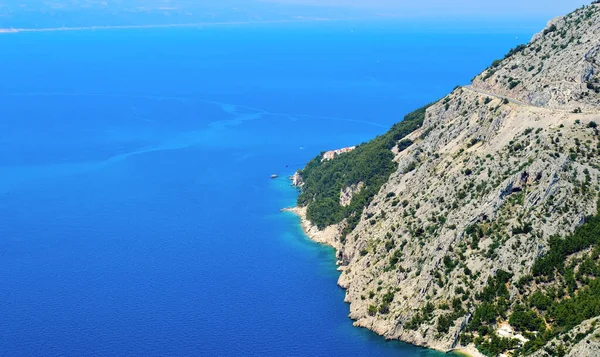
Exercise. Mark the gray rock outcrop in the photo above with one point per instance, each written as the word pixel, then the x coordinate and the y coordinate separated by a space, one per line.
pixel 499 168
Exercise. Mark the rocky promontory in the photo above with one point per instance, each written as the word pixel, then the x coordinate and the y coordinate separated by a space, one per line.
pixel 474 222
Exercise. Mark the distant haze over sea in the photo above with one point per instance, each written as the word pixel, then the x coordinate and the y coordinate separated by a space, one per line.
pixel 63 13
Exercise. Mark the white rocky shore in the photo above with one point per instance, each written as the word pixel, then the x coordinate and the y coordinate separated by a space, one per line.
pixel 327 236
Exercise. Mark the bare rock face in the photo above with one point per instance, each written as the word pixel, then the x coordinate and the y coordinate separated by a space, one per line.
pixel 481 168
pixel 347 193
pixel 506 158
pixel 297 180
pixel 558 69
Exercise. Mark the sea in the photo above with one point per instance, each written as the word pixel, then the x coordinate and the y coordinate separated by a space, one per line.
pixel 138 216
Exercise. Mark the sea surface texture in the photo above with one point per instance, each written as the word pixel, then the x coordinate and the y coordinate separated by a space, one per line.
pixel 137 213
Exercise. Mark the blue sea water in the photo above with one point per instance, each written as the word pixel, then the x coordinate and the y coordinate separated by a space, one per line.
pixel 137 216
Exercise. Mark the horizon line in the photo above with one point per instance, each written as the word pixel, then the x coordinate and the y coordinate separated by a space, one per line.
pixel 195 24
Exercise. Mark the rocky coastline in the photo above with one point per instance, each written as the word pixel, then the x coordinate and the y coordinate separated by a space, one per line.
pixel 496 170
pixel 329 237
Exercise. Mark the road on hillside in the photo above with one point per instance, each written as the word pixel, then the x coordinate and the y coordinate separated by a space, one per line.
pixel 490 94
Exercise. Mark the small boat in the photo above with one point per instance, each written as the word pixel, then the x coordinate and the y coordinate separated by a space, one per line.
pixel 274 176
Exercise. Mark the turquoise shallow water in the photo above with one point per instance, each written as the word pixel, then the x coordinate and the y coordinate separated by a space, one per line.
pixel 138 217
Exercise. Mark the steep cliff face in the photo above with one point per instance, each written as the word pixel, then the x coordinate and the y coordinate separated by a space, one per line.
pixel 495 170
pixel 558 69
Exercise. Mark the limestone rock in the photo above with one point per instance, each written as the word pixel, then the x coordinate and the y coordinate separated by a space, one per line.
pixel 347 193
pixel 297 180
pixel 515 155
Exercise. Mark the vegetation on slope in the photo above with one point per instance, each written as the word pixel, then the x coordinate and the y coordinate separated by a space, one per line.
pixel 370 163
pixel 562 292
pixel 563 289
pixel 557 37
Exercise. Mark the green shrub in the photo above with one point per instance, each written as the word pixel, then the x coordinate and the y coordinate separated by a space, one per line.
pixel 550 29
pixel 370 163
pixel 525 320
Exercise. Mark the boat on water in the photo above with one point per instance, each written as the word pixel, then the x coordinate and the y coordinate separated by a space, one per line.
pixel 274 176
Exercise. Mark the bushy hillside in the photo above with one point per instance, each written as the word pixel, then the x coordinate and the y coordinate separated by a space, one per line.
pixel 370 163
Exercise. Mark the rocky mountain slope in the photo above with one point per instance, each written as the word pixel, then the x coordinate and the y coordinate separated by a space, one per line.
pixel 463 242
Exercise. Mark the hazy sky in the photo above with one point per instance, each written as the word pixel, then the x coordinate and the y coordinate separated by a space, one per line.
pixel 455 7
pixel 59 13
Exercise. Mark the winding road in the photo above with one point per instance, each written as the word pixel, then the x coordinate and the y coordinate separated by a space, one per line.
pixel 520 103
pixel 490 94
